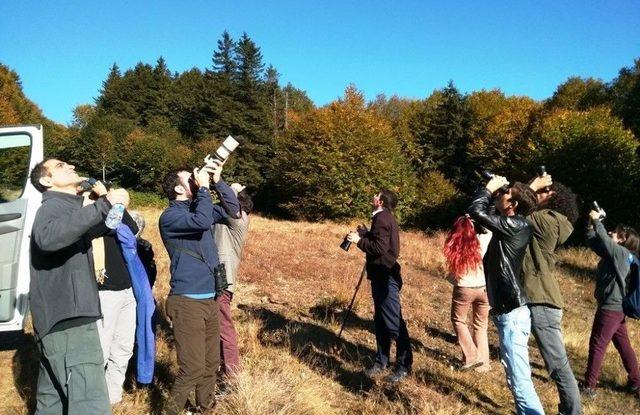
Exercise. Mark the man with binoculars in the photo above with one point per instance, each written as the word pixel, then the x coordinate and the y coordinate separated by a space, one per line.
pixel 185 227
pixel 63 292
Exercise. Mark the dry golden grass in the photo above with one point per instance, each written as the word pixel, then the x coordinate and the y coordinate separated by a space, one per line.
pixel 295 286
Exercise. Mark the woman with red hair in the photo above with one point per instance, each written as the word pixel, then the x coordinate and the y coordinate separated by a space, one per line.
pixel 464 248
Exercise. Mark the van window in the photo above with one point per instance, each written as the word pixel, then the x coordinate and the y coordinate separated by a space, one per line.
pixel 14 165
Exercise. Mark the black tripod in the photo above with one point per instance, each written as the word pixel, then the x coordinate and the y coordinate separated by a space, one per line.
pixel 346 314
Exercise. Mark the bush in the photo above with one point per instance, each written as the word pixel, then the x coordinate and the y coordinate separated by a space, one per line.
pixel 147 199
pixel 438 204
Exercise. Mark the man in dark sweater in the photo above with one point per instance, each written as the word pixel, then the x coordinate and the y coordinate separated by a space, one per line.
pixel 382 246
pixel 63 293
pixel 185 227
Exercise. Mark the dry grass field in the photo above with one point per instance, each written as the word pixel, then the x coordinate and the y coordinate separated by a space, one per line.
pixel 295 286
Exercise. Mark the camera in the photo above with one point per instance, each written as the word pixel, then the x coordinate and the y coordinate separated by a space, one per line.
pixel 487 175
pixel 596 207
pixel 224 151
pixel 346 244
pixel 220 278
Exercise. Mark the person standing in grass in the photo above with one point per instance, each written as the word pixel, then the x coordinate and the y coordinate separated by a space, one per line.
pixel 230 235
pixel 185 228
pixel 382 247
pixel 616 251
pixel 551 223
pixel 502 266
pixel 63 293
pixel 464 249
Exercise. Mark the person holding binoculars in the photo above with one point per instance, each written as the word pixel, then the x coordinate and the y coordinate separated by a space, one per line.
pixel 616 250
pixel 63 291
pixel 502 266
pixel 185 228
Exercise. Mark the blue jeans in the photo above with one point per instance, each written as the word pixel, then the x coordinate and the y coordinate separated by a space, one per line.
pixel 514 328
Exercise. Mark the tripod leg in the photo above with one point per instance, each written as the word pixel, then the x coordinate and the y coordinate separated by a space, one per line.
pixel 346 314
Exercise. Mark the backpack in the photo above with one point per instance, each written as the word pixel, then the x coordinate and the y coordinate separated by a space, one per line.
pixel 631 300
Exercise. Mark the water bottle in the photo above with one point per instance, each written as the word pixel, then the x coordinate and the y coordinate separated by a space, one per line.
pixel 114 217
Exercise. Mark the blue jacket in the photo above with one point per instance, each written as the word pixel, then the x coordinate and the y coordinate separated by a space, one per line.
pixel 186 225
pixel 145 305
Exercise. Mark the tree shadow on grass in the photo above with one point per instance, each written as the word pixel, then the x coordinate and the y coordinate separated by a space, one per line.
pixel 315 346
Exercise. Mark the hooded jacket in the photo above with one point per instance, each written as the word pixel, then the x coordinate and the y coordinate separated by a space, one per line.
pixel 550 230
pixel 503 260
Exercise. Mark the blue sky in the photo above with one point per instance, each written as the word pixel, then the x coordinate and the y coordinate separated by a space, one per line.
pixel 63 50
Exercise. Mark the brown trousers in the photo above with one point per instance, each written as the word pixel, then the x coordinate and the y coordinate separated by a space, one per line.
pixel 475 346
pixel 197 336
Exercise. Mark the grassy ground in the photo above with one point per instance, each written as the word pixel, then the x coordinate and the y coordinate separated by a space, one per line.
pixel 295 286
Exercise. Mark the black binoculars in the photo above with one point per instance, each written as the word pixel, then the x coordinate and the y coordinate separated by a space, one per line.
pixel 88 183
pixel 346 244
pixel 596 207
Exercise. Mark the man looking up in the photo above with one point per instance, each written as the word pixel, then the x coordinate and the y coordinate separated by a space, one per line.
pixel 552 225
pixel 502 266
pixel 63 292
pixel 185 228
pixel 382 246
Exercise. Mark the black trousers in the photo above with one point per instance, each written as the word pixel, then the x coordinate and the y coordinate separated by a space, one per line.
pixel 389 323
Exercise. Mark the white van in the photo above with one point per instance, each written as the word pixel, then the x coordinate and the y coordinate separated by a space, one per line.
pixel 21 148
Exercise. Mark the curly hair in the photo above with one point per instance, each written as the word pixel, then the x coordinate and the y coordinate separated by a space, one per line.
pixel 564 201
pixel 462 248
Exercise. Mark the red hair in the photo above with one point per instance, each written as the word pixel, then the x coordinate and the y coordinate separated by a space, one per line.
pixel 462 248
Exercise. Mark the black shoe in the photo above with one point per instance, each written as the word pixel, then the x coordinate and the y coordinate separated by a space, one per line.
pixel 398 375
pixel 376 369
pixel 588 393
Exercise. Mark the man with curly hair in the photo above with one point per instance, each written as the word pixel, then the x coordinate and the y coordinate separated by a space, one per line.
pixel 552 224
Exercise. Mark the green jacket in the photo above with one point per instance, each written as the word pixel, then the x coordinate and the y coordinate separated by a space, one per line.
pixel 550 230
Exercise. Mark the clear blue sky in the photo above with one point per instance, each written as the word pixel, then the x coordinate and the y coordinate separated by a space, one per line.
pixel 63 50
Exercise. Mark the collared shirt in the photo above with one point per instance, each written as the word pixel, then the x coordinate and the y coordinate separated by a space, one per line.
pixel 375 212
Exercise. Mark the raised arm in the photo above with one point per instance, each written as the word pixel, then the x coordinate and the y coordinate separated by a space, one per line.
pixel 53 233
pixel 175 223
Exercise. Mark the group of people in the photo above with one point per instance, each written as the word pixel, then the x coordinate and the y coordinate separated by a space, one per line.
pixel 90 290
pixel 91 299
pixel 501 258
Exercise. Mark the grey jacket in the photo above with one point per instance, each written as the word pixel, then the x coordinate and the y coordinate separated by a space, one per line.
pixel 614 265
pixel 229 236
pixel 62 284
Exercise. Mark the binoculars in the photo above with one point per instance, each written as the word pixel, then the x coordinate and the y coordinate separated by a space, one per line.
pixel 88 183
pixel 487 175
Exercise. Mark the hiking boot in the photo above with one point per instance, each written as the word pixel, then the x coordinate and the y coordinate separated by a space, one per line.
pixel 376 369
pixel 399 373
pixel 588 393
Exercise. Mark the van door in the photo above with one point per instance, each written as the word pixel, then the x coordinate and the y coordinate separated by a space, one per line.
pixel 20 149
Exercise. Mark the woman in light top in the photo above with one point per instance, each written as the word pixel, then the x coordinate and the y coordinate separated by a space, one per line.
pixel 464 248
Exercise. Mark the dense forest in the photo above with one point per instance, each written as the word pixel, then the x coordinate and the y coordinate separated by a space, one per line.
pixel 308 162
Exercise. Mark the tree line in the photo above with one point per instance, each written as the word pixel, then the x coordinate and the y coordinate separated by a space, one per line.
pixel 316 163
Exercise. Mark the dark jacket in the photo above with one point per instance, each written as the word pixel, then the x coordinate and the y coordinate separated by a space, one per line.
pixel 63 285
pixel 146 255
pixel 117 274
pixel 550 230
pixel 614 266
pixel 185 227
pixel 503 260
pixel 382 246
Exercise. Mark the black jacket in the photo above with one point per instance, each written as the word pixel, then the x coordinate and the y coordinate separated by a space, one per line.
pixel 63 285
pixel 382 246
pixel 503 260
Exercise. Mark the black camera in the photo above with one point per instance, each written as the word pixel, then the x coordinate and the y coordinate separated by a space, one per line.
pixel 487 175
pixel 220 278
